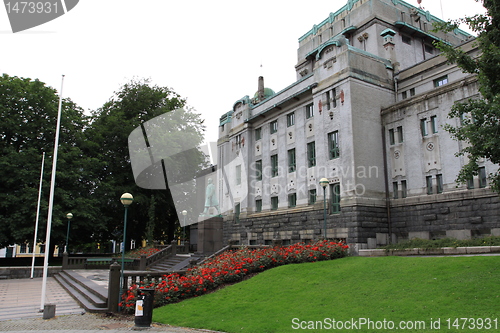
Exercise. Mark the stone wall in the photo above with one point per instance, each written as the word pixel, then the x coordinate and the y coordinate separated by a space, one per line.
pixel 25 272
pixel 355 224
pixel 461 215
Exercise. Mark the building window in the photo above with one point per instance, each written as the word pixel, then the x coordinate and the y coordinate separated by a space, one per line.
pixel 403 189
pixel 429 49
pixel 406 39
pixel 238 174
pixel 274 165
pixel 327 94
pixel 312 197
pixel 400 134
pixel 22 248
pixel 258 205
pixel 274 126
pixel 335 198
pixel 258 170
pixel 237 213
pixel 238 141
pixel 291 160
pixel 439 183
pixel 428 181
pixel 441 81
pixel 462 119
pixel 412 92
pixel 395 190
pixel 311 154
pixel 42 248
pixel 333 145
pixel 391 136
pixel 404 95
pixel 290 119
pixel 482 177
pixel 309 111
pixel 434 124
pixel 274 203
pixel 258 134
pixel 423 126
pixel 334 98
pixel 292 200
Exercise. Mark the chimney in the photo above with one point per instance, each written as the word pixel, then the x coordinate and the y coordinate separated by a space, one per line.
pixel 260 89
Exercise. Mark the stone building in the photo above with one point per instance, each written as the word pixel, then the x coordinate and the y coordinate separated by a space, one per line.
pixel 366 112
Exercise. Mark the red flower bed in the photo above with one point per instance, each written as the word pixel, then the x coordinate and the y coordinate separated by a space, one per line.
pixel 232 266
pixel 144 250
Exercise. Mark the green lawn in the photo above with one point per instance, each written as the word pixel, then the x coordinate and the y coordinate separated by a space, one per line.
pixel 349 289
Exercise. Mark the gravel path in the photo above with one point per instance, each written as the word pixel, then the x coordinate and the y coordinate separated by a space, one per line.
pixel 85 323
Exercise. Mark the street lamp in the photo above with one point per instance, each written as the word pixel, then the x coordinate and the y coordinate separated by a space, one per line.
pixel 69 216
pixel 324 183
pixel 126 199
pixel 184 212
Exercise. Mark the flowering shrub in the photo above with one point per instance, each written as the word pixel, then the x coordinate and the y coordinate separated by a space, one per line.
pixel 144 250
pixel 231 266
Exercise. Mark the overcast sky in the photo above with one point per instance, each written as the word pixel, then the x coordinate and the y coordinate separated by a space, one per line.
pixel 208 51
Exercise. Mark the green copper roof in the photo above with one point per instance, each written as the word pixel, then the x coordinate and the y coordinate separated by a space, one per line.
pixel 268 92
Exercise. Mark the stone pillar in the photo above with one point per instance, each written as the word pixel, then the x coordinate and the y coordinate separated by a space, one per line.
pixel 174 247
pixel 210 235
pixel 142 263
pixel 65 261
pixel 114 287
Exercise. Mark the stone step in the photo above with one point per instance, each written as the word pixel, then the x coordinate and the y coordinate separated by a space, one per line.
pixel 171 263
pixel 83 293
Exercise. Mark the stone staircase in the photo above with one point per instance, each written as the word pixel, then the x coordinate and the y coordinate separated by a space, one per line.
pixel 172 263
pixel 90 295
pixel 94 297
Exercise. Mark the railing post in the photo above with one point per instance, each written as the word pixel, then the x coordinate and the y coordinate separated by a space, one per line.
pixel 114 287
pixel 186 246
pixel 142 263
pixel 174 247
pixel 65 261
pixel 192 262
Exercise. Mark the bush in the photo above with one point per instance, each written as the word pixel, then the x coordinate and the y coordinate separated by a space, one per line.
pixel 229 267
pixel 444 242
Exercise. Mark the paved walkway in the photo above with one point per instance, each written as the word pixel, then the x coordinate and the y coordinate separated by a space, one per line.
pixel 21 298
pixel 20 302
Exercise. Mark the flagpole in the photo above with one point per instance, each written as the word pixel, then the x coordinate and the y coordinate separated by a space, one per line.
pixel 51 199
pixel 37 215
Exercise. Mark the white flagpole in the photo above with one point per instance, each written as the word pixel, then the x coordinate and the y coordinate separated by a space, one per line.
pixel 37 215
pixel 51 199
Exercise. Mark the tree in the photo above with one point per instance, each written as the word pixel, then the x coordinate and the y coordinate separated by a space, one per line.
pixel 28 114
pixel 153 212
pixel 480 118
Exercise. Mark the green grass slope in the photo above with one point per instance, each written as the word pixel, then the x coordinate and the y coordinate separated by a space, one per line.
pixel 363 292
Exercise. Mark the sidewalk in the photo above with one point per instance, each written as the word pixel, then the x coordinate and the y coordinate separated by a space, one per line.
pixel 21 298
pixel 20 302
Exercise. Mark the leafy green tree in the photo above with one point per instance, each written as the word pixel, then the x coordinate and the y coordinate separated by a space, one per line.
pixel 480 118
pixel 28 113
pixel 152 212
